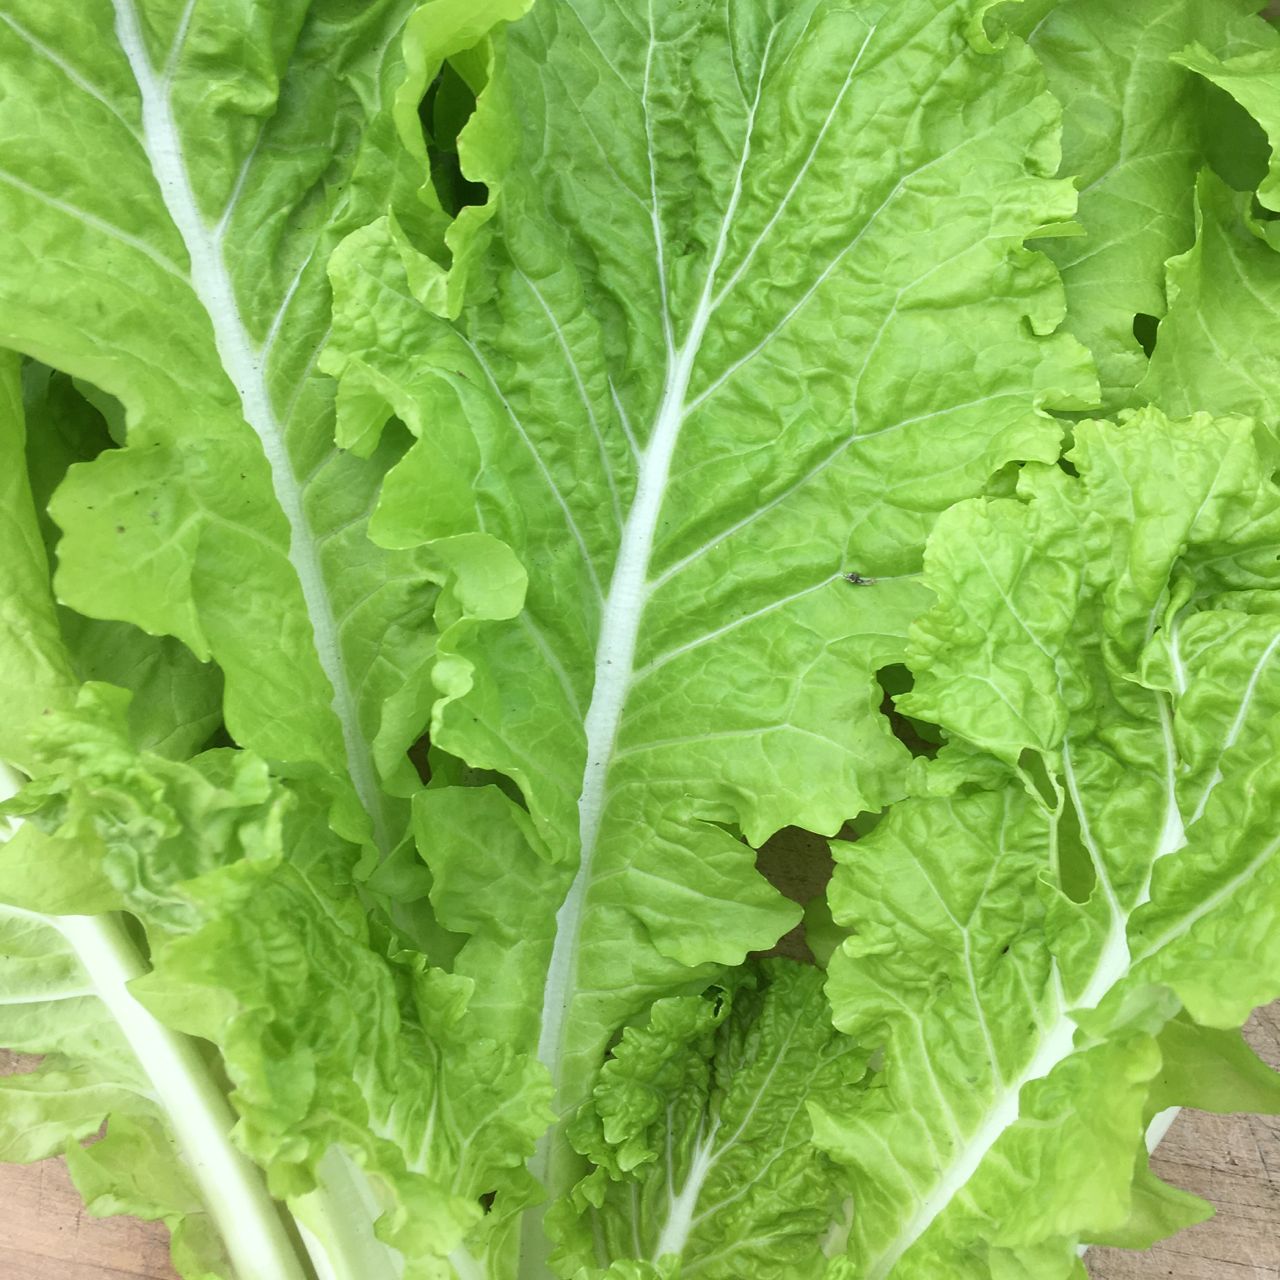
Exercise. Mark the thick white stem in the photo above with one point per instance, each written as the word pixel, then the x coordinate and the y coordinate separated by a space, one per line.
pixel 232 1189
pixel 201 1119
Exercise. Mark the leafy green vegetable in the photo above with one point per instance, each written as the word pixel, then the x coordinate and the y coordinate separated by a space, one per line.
pixel 65 993
pixel 699 1133
pixel 1251 79
pixel 191 288
pixel 1025 939
pixel 676 352
pixel 471 474
pixel 1223 293
pixel 1137 129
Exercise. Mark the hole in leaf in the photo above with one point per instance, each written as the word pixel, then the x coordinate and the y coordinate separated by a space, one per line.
pixel 420 757
pixel 448 105
pixel 1235 143
pixel 1076 873
pixel 1074 865
pixel 1033 769
pixel 437 768
pixel 1003 483
pixel 219 739
pixel 798 864
pixel 920 737
pixel 1145 329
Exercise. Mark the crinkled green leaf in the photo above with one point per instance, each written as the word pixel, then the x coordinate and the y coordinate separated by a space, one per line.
pixel 190 286
pixel 64 994
pixel 751 306
pixel 64 967
pixel 488 875
pixel 1253 80
pixel 1215 350
pixel 336 1053
pixel 350 1067
pixel 48 1001
pixel 699 1132
pixel 1022 950
pixel 1137 128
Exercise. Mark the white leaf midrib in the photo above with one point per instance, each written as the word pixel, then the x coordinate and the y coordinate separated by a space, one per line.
pixel 621 615
pixel 244 362
pixel 623 611
pixel 232 1190
pixel 1114 962
pixel 707 1153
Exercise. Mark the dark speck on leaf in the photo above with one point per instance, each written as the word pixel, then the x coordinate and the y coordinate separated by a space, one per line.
pixel 858 580
pixel 119 528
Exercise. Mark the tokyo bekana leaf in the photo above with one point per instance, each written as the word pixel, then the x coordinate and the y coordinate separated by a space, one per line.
pixel 172 178
pixel 751 307
pixel 1050 958
pixel 1138 125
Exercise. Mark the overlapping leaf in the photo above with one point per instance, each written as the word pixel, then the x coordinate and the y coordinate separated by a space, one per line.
pixel 341 1059
pixel 360 1088
pixel 176 704
pixel 171 181
pixel 742 309
pixel 1252 78
pixel 64 994
pixel 1224 297
pixel 699 1132
pixel 1023 949
pixel 1137 128
pixel 752 306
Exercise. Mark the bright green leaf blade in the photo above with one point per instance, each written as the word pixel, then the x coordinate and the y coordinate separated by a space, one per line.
pixel 64 992
pixel 1111 638
pixel 1215 350
pixel 1137 128
pixel 191 287
pixel 359 1081
pixel 487 877
pixel 752 336
pixel 699 1131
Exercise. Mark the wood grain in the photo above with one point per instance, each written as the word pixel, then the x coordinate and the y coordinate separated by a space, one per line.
pixel 46 1233
pixel 1233 1161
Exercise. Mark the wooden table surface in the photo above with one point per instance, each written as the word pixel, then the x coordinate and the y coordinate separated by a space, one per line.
pixel 1233 1161
pixel 45 1233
